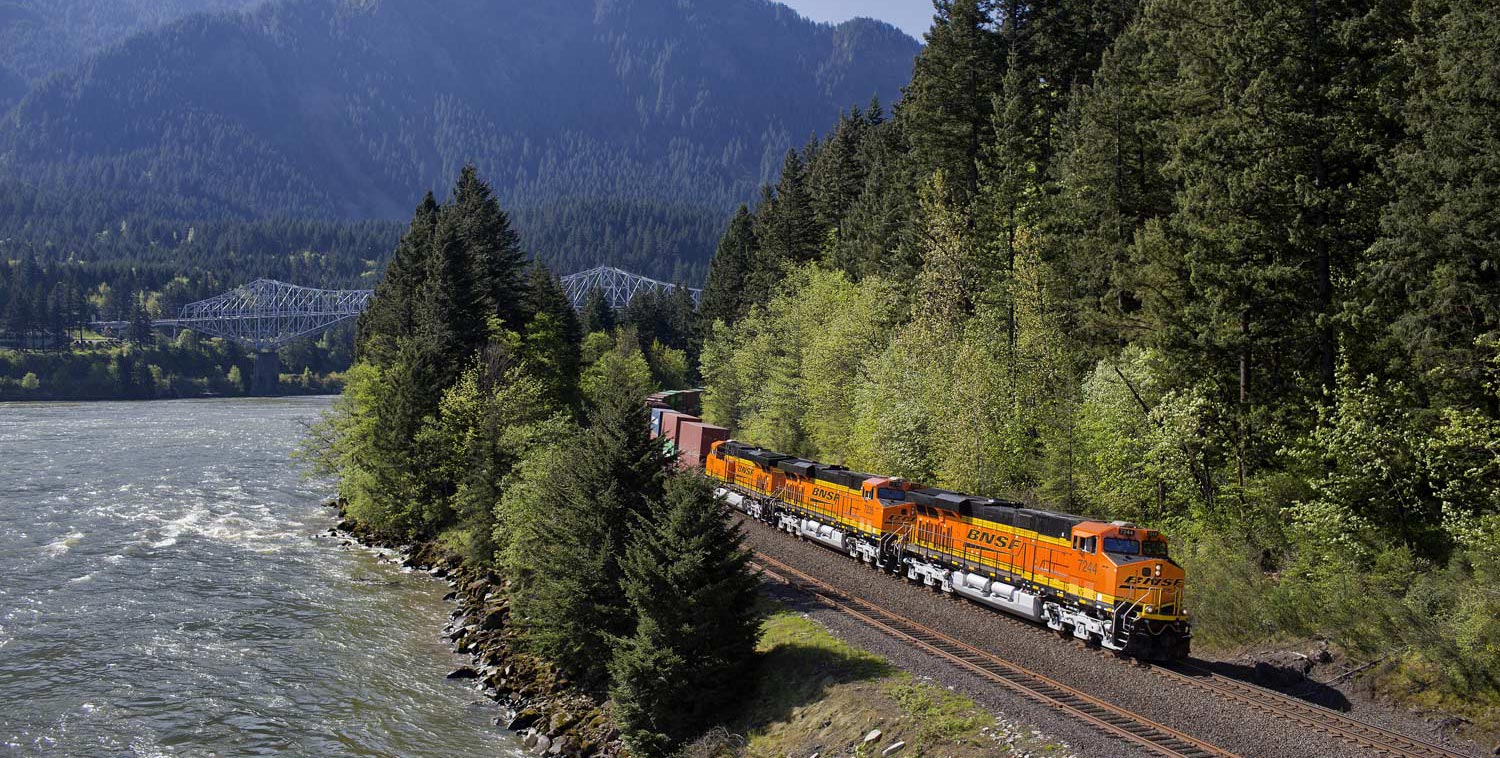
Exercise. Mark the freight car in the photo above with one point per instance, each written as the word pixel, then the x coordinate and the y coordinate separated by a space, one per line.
pixel 1110 584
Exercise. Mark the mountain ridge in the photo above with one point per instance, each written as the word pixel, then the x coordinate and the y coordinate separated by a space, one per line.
pixel 669 112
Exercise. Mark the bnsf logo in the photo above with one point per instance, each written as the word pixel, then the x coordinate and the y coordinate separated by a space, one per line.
pixel 1150 581
pixel 821 493
pixel 990 538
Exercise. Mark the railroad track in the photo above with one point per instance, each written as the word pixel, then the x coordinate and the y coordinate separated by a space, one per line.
pixel 1276 704
pixel 1106 717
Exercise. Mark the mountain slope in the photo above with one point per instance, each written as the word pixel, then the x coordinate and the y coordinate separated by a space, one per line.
pixel 41 37
pixel 618 130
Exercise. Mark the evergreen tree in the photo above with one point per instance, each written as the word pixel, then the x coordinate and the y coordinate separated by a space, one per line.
pixel 787 230
pixel 492 245
pixel 391 313
pixel 724 294
pixel 140 325
pixel 452 316
pixel 948 111
pixel 598 315
pixel 690 588
pixel 574 604
pixel 553 336
pixel 1434 270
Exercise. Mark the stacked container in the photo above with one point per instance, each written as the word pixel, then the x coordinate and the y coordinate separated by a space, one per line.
pixel 695 439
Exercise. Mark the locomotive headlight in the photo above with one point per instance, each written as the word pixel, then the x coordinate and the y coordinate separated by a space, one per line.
pixel 1151 609
pixel 1158 569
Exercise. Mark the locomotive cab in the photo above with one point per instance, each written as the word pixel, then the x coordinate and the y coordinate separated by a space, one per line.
pixel 1135 568
pixel 889 491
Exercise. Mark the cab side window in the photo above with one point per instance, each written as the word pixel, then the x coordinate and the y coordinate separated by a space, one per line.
pixel 1086 544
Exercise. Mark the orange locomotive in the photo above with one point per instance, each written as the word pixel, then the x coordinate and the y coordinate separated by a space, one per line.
pixel 1108 583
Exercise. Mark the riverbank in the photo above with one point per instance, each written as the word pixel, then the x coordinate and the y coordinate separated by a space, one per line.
pixel 186 369
pixel 535 701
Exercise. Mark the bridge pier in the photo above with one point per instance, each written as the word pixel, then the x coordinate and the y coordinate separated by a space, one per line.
pixel 265 379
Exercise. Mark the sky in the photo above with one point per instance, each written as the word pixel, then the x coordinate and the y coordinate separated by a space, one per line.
pixel 913 16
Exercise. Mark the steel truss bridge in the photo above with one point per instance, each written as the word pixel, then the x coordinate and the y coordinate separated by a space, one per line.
pixel 263 315
pixel 266 315
pixel 619 287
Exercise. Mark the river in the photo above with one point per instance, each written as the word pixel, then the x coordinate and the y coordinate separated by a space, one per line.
pixel 165 591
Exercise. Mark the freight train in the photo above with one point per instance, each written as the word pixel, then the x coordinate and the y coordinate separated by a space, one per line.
pixel 1111 584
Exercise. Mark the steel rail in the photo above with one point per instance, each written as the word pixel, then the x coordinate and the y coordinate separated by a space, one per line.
pixel 1106 717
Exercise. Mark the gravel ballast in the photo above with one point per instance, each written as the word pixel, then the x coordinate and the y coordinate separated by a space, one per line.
pixel 1118 681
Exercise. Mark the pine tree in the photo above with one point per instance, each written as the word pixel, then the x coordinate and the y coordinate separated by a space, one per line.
pixel 1434 268
pixel 553 335
pixel 1278 186
pixel 880 235
pixel 724 294
pixel 451 320
pixel 690 588
pixel 948 112
pixel 1110 182
pixel 787 231
pixel 598 315
pixel 391 314
pixel 574 604
pixel 493 247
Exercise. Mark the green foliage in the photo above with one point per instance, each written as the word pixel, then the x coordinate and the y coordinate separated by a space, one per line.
pixel 572 601
pixel 620 371
pixel 694 600
pixel 597 314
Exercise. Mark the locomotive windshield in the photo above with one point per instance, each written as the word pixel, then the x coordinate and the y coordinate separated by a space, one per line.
pixel 1124 547
pixel 890 493
pixel 1155 548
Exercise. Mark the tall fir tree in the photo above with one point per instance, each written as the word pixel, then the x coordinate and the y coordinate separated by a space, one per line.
pixel 553 335
pixel 392 312
pixel 452 320
pixel 597 315
pixel 735 258
pixel 493 247
pixel 689 585
pixel 948 111
pixel 1434 284
pixel 574 605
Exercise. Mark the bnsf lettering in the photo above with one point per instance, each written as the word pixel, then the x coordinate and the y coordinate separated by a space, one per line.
pixel 822 494
pixel 1150 581
pixel 990 538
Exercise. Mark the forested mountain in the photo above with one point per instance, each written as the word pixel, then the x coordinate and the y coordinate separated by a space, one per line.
pixel 41 37
pixel 617 131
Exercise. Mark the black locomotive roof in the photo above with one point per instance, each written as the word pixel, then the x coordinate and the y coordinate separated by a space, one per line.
pixel 766 458
pixel 749 452
pixel 842 477
pixel 997 511
pixel 798 466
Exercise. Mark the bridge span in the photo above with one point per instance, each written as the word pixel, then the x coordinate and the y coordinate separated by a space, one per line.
pixel 266 315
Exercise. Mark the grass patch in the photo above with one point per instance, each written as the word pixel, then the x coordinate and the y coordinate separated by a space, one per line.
pixel 819 694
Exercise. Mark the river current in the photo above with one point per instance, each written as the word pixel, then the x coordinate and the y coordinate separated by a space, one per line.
pixel 165 590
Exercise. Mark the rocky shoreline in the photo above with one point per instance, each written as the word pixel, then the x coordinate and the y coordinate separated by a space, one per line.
pixel 537 703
